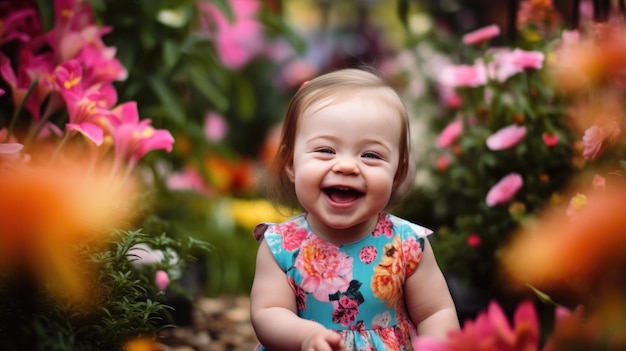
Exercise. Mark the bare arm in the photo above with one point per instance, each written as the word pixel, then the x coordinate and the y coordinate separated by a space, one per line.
pixel 428 299
pixel 273 312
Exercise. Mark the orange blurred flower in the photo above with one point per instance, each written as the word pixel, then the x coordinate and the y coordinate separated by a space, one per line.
pixel 46 211
pixel 141 344
pixel 587 247
pixel 230 175
pixel 598 58
pixel 540 15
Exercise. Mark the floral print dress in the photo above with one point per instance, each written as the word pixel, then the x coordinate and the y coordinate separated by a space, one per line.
pixel 355 289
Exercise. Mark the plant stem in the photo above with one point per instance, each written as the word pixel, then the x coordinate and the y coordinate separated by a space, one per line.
pixel 19 109
pixel 64 141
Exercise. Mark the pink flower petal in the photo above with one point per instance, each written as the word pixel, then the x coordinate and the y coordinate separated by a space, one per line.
pixel 450 134
pixel 504 190
pixel 593 141
pixel 215 127
pixel 10 148
pixel 481 35
pixel 162 280
pixel 506 137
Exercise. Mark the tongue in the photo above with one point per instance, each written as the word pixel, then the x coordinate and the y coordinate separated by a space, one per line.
pixel 343 196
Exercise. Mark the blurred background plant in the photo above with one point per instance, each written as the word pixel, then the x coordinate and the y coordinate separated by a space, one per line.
pixel 507 121
pixel 70 152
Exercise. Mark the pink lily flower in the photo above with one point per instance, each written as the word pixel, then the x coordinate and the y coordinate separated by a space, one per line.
pixel 481 35
pixel 506 137
pixel 21 25
pixel 504 190
pixel 85 106
pixel 491 330
pixel 240 39
pixel 133 138
pixel 31 67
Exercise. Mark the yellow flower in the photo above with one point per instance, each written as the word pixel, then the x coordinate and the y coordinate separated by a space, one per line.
pixel 249 213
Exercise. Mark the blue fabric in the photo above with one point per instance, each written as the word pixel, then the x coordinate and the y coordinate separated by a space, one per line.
pixel 355 289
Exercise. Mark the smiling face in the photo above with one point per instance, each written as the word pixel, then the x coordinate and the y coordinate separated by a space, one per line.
pixel 346 156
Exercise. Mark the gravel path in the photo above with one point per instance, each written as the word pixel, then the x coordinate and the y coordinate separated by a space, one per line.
pixel 219 324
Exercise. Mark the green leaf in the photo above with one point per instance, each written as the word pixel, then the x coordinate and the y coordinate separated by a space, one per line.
pixel 171 54
pixel 46 11
pixel 245 96
pixel 175 109
pixel 224 7
pixel 202 81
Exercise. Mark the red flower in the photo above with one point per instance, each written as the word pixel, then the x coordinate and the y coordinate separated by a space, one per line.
pixel 550 139
pixel 473 240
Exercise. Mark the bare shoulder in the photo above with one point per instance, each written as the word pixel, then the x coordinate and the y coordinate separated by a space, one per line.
pixel 270 287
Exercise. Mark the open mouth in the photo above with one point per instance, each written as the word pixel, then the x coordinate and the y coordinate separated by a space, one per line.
pixel 342 195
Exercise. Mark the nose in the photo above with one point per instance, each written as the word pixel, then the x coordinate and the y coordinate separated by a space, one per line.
pixel 347 166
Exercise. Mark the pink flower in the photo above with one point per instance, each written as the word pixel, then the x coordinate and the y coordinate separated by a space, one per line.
pixel 598 182
pixel 490 330
pixel 368 254
pixel 507 63
pixel 481 35
pixel 292 235
pixel 463 76
pixel 450 134
pixel 8 149
pixel 324 269
pixel 133 138
pixel 162 279
pixel 215 127
pixel 239 40
pixel 525 60
pixel 504 190
pixel 345 310
pixel 593 141
pixel 188 179
pixel 383 227
pixel 550 139
pixel 506 137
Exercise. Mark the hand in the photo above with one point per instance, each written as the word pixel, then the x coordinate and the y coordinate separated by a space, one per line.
pixel 323 340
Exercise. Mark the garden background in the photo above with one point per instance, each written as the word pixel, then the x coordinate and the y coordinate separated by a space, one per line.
pixel 133 135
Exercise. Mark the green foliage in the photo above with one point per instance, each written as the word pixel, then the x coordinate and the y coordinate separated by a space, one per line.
pixel 456 192
pixel 176 76
pixel 125 302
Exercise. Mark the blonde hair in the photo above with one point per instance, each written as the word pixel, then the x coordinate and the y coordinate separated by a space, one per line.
pixel 335 86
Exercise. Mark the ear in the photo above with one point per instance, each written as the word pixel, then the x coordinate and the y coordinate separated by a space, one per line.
pixel 290 172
